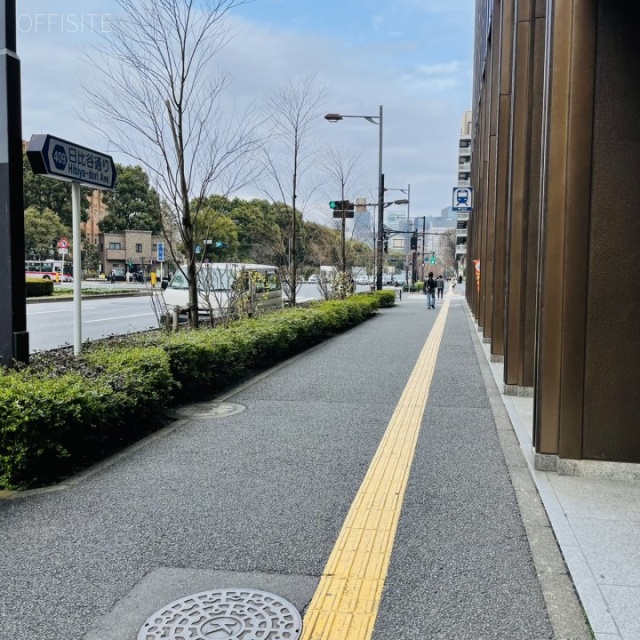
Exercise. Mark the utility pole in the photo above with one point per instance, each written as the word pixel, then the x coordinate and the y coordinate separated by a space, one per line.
pixel 14 338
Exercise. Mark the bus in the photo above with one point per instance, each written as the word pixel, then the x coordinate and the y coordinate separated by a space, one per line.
pixel 56 270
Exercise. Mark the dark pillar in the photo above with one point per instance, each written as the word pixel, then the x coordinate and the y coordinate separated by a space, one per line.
pixel 14 339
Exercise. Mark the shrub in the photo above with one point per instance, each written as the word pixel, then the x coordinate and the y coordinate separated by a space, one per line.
pixel 386 298
pixel 41 419
pixel 63 412
pixel 36 288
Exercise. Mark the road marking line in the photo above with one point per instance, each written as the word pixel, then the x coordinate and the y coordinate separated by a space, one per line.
pixel 345 604
pixel 67 310
pixel 135 315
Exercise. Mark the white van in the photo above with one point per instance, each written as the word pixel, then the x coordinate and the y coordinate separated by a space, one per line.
pixel 226 289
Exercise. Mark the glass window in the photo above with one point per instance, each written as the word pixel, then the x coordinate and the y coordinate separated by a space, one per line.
pixel 273 281
pixel 179 281
pixel 115 245
pixel 138 248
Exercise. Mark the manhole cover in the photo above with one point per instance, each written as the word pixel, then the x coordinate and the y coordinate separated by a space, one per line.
pixel 225 614
pixel 211 409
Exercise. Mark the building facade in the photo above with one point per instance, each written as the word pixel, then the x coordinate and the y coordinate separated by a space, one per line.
pixel 464 180
pixel 555 104
pixel 132 251
pixel 97 211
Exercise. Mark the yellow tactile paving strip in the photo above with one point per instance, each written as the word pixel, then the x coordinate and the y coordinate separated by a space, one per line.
pixel 345 605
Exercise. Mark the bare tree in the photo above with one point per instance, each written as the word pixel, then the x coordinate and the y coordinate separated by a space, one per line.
pixel 293 111
pixel 448 244
pixel 343 169
pixel 155 89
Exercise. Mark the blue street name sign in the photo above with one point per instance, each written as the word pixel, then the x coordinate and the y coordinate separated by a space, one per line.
pixel 462 199
pixel 68 161
pixel 160 251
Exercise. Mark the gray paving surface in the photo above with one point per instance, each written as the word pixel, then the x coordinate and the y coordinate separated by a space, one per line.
pixel 461 557
pixel 265 492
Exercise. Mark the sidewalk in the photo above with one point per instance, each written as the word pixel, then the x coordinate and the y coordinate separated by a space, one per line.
pixel 251 492
pixel 596 520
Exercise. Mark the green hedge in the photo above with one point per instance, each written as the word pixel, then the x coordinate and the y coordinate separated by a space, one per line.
pixel 62 413
pixel 37 288
pixel 386 298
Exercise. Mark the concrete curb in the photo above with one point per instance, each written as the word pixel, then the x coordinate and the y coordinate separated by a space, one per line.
pixel 128 294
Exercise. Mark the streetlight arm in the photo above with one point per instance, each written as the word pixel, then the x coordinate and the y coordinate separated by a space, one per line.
pixel 336 117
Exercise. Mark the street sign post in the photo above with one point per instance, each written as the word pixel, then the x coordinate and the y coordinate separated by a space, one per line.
pixel 70 162
pixel 161 259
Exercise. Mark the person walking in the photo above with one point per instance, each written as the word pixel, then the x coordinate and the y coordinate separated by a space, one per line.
pixel 429 287
pixel 440 286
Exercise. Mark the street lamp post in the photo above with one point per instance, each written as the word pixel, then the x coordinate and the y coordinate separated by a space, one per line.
pixel 377 120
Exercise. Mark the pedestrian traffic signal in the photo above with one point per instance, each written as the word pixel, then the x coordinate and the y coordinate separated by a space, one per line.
pixel 433 259
pixel 414 241
pixel 386 246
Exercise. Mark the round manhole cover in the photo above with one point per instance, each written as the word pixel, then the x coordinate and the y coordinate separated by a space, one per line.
pixel 225 614
pixel 211 410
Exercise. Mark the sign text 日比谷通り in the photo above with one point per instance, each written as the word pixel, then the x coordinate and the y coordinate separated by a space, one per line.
pixel 65 160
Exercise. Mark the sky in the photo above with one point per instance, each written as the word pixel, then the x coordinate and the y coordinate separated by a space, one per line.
pixel 413 57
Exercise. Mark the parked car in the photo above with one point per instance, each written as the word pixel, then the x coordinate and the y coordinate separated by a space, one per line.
pixel 117 274
pixel 313 278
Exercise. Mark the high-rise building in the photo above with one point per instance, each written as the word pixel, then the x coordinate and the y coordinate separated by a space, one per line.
pixel 97 211
pixel 464 180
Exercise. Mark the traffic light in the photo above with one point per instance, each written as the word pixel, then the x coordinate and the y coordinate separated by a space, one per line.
pixel 342 206
pixel 433 258
pixel 414 241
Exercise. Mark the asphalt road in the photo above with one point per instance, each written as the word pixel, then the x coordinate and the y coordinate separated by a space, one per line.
pixel 50 324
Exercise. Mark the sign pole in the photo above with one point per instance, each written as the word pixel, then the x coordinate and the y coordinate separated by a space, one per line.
pixel 70 162
pixel 77 268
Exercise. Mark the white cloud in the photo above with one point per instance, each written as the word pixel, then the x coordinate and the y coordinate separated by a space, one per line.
pixel 423 96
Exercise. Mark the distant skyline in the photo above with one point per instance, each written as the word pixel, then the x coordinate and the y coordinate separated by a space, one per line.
pixel 414 57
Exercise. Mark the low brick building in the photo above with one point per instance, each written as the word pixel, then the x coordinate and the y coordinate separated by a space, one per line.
pixel 129 250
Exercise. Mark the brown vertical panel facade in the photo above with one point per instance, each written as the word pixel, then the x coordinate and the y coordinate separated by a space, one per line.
pixel 565 219
pixel 612 340
pixel 517 210
pixel 532 219
pixel 503 136
pixel 488 259
pixel 485 188
pixel 566 184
